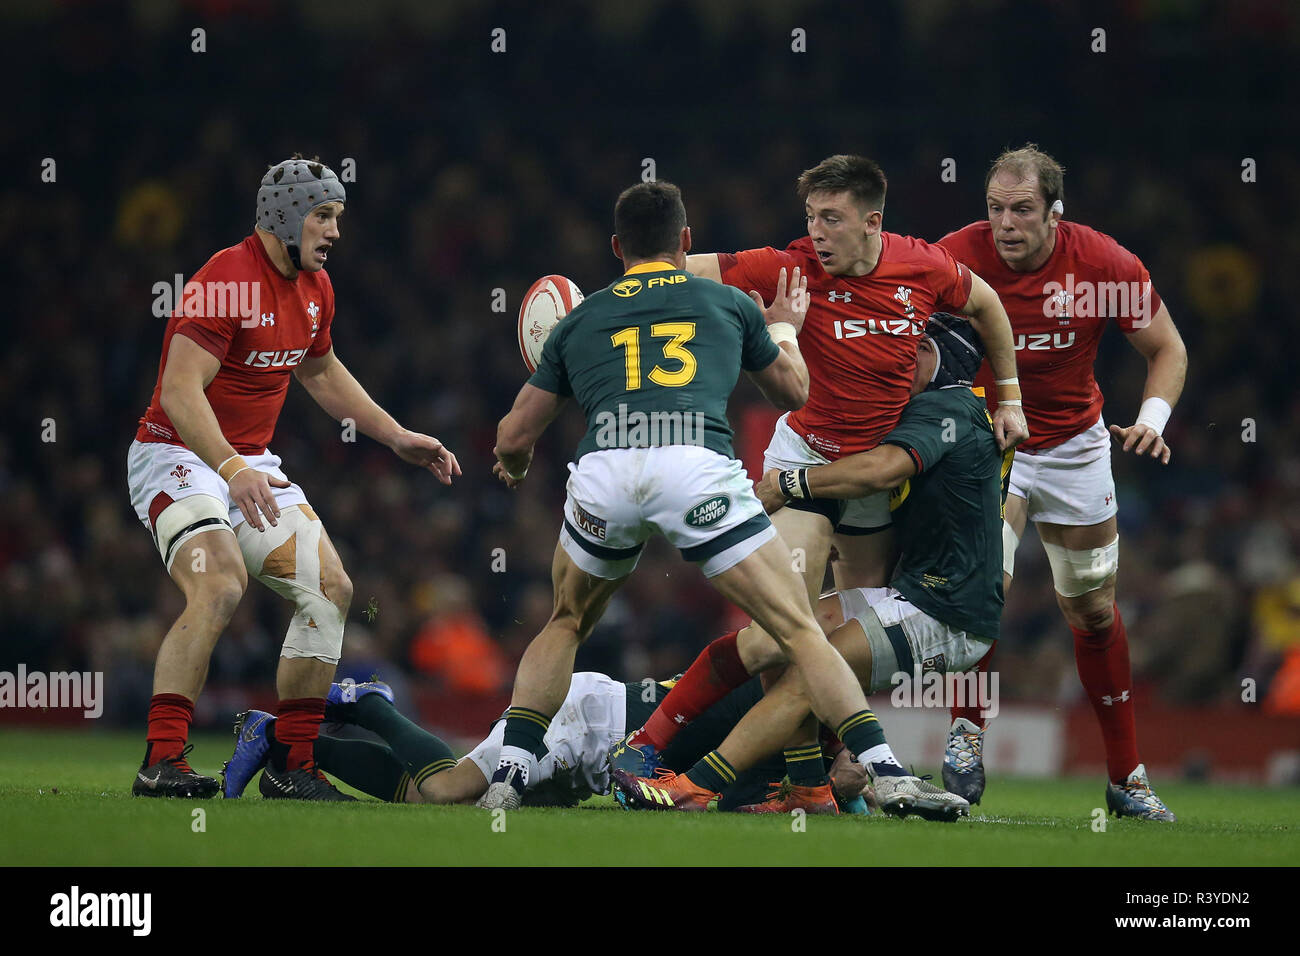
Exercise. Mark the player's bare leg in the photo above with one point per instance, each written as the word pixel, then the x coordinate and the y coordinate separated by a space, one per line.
pixel 803 751
pixel 733 658
pixel 864 560
pixel 209 570
pixel 544 675
pixel 297 560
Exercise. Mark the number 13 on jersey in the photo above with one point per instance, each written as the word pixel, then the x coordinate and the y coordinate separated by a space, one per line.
pixel 674 349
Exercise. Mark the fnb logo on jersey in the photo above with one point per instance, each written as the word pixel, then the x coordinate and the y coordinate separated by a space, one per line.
pixel 1098 300
pixel 664 280
pixel 856 328
pixel 285 358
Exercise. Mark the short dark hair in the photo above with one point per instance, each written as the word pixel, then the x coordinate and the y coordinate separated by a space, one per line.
pixel 1030 160
pixel 649 219
pixel 860 177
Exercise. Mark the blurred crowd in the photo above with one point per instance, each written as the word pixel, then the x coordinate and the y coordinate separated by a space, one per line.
pixel 477 171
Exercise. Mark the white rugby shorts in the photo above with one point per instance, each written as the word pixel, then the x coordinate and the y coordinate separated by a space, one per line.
pixel 589 722
pixel 1070 483
pixel 855 516
pixel 918 641
pixel 701 501
pixel 158 474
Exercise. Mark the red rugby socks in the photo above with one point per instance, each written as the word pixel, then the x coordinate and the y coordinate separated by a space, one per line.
pixel 1103 662
pixel 715 673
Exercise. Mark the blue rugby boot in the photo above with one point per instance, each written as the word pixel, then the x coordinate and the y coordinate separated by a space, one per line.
pixel 252 746
pixel 343 696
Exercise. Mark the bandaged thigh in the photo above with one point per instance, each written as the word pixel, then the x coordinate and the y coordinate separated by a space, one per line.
pixel 185 518
pixel 1077 572
pixel 287 559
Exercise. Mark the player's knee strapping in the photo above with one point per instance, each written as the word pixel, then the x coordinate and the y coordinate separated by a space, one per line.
pixel 1010 541
pixel 183 519
pixel 1078 572
pixel 287 559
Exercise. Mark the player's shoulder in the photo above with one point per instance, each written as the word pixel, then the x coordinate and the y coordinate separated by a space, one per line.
pixel 802 249
pixel 943 402
pixel 1086 245
pixel 238 261
pixel 970 241
pixel 901 250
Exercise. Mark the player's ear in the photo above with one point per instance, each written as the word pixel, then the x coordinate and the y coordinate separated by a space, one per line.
pixel 616 246
pixel 686 239
pixel 872 222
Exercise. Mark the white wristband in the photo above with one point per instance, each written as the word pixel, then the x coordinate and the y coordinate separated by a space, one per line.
pixel 782 332
pixel 1154 414
pixel 237 471
pixel 226 462
pixel 1007 381
pixel 1013 402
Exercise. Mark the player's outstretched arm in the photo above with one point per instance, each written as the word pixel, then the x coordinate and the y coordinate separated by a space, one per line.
pixel 1166 355
pixel 705 266
pixel 334 389
pixel 534 409
pixel 989 318
pixel 190 369
pixel 881 468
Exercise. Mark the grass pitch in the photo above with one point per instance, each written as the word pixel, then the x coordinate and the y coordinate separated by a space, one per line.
pixel 65 800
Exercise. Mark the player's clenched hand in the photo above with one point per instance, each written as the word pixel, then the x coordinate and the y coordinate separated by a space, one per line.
pixel 769 491
pixel 427 452
pixel 251 491
pixel 790 305
pixel 1142 440
pixel 1009 426
pixel 499 469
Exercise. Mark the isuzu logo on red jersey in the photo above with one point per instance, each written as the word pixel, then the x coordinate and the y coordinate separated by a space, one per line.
pixel 1044 341
pixel 284 358
pixel 856 328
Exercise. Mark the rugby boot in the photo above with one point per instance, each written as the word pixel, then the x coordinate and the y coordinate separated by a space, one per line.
pixel 305 783
pixel 667 791
pixel 173 777
pixel 1135 798
pixel 963 761
pixel 789 797
pixel 252 747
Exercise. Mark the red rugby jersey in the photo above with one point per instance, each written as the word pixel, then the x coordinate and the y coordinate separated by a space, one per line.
pixel 1058 314
pixel 859 337
pixel 291 321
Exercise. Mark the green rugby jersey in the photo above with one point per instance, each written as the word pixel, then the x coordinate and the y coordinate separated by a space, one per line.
pixel 949 514
pixel 653 358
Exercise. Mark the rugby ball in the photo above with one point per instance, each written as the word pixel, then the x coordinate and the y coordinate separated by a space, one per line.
pixel 548 300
